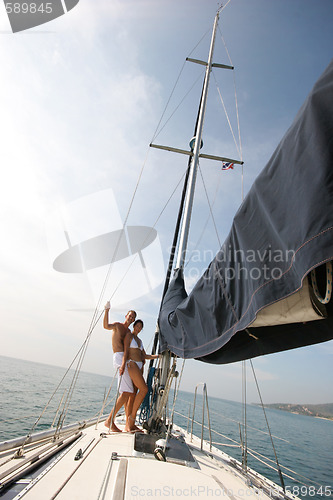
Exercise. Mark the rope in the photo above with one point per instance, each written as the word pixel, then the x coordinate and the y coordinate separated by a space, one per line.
pixel 146 405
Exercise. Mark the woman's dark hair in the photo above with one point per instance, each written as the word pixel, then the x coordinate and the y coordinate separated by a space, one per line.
pixel 138 321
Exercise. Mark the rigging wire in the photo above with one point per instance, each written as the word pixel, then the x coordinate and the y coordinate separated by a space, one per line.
pixel 223 6
pixel 105 399
pixel 162 403
pixel 157 130
pixel 210 207
pixel 176 234
pixel 225 417
pixel 268 427
pixel 251 452
pixel 254 453
pixel 157 133
pixel 20 451
pixel 93 324
pixel 167 103
pixel 226 114
pixel 238 145
pixel 255 378
pixel 96 317
pixel 148 235
pixel 244 405
pixel 207 220
pixel 240 149
pixel 236 445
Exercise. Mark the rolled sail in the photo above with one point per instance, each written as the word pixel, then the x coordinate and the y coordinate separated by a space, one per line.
pixel 257 296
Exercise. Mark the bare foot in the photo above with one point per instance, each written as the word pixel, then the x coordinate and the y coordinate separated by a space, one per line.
pixel 131 427
pixel 127 429
pixel 113 428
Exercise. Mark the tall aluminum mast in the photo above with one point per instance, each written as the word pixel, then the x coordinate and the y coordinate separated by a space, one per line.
pixel 195 159
pixel 184 231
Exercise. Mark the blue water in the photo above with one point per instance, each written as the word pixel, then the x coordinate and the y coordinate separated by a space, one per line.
pixel 303 444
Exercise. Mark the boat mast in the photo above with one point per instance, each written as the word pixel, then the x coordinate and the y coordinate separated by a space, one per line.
pixel 181 254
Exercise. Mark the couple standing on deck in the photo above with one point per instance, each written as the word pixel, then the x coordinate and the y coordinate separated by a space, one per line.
pixel 128 357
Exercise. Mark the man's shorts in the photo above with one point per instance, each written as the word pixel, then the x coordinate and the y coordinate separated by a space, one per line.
pixel 126 384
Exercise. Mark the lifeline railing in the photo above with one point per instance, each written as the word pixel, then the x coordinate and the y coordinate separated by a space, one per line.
pixel 292 475
pixel 204 401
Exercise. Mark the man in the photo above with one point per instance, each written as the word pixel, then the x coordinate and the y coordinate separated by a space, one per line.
pixel 126 389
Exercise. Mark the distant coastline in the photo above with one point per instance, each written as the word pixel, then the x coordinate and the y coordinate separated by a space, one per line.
pixel 324 411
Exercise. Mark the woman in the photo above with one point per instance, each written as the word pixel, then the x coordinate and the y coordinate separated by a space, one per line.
pixel 134 357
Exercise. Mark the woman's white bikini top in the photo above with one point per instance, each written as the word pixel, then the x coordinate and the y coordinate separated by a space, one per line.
pixel 136 345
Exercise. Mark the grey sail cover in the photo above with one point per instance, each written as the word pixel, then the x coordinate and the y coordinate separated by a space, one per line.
pixel 280 233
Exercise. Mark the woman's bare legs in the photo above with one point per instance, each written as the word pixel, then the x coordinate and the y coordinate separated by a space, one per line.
pixel 122 400
pixel 130 401
pixel 138 380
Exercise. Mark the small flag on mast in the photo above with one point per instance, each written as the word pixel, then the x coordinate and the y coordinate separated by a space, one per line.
pixel 227 165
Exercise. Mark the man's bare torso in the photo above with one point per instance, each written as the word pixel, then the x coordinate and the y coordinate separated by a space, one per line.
pixel 119 331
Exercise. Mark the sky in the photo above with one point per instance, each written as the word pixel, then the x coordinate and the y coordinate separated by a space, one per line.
pixel 81 98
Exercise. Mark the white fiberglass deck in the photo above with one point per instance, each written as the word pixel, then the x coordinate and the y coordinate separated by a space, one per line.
pixel 110 468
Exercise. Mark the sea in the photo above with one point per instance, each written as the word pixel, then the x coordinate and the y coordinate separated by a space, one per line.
pixel 303 444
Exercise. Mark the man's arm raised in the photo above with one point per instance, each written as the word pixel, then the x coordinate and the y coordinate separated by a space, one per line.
pixel 106 324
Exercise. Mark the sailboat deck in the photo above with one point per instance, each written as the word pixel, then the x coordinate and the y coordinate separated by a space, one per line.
pixel 111 468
